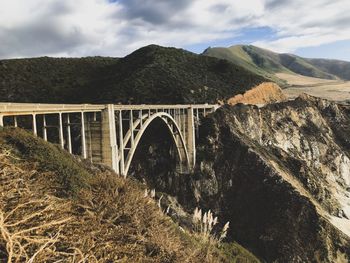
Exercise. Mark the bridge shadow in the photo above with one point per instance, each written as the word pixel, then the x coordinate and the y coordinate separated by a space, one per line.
pixel 156 158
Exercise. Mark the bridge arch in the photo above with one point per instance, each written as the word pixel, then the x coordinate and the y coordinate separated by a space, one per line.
pixel 101 131
pixel 175 133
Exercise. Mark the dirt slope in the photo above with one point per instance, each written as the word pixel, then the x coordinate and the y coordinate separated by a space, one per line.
pixel 267 92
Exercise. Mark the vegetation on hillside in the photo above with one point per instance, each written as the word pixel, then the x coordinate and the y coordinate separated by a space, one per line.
pixel 238 56
pixel 61 208
pixel 266 63
pixel 152 74
pixel 336 67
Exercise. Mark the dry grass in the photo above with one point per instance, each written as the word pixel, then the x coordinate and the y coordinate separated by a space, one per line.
pixel 336 90
pixel 109 221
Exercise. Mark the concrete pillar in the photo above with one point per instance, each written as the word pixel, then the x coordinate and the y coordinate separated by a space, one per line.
pixel 190 137
pixel 1 121
pixel 15 121
pixel 109 138
pixel 121 144
pixel 197 123
pixel 140 117
pixel 83 140
pixel 69 135
pixel 34 125
pixel 60 127
pixel 184 124
pixel 131 124
pixel 44 128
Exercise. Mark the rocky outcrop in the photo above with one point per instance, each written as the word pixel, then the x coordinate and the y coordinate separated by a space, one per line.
pixel 267 92
pixel 281 175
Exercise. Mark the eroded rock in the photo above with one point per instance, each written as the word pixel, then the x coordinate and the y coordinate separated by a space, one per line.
pixel 282 174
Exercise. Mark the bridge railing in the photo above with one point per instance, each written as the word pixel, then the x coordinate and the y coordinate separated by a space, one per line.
pixel 107 132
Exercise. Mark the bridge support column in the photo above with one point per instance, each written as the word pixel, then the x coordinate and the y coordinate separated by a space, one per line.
pixel 109 139
pixel 121 144
pixel 190 137
pixel 34 125
pixel 61 130
pixel 83 136
pixel 69 135
pixel 44 128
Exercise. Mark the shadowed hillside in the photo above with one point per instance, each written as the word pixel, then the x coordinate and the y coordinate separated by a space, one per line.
pixel 152 74
pixel 280 174
pixel 335 67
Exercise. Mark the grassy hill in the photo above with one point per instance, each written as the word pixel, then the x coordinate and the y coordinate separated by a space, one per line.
pixel 238 55
pixel 336 67
pixel 152 74
pixel 56 207
pixel 266 63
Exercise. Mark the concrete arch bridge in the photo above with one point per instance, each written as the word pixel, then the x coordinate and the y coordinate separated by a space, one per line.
pixel 109 133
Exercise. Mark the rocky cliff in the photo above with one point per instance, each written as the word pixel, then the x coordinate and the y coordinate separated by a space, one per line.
pixel 281 175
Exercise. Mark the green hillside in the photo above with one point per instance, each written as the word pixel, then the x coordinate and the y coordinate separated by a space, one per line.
pixel 152 74
pixel 266 63
pixel 335 67
pixel 239 56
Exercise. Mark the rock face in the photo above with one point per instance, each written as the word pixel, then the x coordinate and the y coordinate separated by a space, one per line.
pixel 267 92
pixel 281 175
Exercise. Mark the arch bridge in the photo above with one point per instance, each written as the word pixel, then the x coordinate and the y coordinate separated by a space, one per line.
pixel 109 133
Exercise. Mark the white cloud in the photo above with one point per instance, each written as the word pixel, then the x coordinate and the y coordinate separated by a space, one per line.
pixel 101 27
pixel 306 23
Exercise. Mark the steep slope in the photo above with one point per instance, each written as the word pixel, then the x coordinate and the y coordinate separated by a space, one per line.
pixel 152 74
pixel 280 175
pixel 55 207
pixel 267 92
pixel 265 62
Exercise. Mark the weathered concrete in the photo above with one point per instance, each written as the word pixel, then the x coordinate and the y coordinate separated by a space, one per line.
pixel 113 138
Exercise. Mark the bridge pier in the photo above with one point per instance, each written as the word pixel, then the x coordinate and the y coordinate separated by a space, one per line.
pixel 109 140
pixel 69 134
pixel 34 125
pixel 83 136
pixel 191 138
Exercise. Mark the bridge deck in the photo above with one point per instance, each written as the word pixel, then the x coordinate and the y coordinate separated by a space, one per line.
pixel 111 134
pixel 9 109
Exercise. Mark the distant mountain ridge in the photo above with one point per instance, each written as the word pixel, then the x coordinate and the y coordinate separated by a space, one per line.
pixel 152 74
pixel 267 63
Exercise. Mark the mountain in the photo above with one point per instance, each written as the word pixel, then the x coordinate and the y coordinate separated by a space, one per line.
pixel 336 67
pixel 267 63
pixel 152 74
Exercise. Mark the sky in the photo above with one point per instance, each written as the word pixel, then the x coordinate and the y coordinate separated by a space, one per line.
pixel 75 28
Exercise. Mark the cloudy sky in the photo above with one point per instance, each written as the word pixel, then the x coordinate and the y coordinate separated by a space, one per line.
pixel 314 28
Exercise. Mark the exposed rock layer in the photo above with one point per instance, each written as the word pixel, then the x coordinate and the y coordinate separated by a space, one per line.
pixel 280 174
